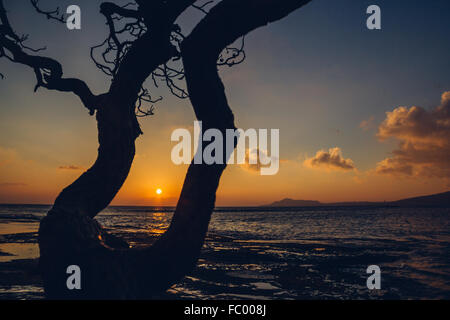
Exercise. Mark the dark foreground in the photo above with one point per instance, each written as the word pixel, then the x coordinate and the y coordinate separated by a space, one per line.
pixel 277 254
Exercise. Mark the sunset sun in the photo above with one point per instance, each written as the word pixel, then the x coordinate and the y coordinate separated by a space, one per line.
pixel 158 191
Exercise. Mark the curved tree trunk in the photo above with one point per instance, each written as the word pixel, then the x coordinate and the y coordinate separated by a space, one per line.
pixel 178 249
pixel 69 235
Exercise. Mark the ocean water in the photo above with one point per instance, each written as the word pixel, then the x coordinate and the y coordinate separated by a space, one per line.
pixel 269 253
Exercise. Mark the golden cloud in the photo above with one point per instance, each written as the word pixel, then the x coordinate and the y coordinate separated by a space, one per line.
pixel 253 160
pixel 330 160
pixel 424 141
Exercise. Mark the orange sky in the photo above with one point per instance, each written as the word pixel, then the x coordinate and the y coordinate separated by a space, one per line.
pixel 39 180
pixel 362 115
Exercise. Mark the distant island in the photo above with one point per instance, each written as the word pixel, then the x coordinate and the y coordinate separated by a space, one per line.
pixel 434 200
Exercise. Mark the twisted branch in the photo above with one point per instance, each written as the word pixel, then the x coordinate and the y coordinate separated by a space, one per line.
pixel 49 14
pixel 47 70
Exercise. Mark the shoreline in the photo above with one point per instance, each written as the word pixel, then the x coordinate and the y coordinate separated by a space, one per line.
pixel 257 255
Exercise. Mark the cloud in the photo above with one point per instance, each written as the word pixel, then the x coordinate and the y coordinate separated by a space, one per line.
pixel 393 166
pixel 252 154
pixel 424 141
pixel 367 124
pixel 259 157
pixel 70 167
pixel 330 160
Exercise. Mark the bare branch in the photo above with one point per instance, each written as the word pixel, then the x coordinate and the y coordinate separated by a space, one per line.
pixel 145 97
pixel 129 30
pixel 47 70
pixel 113 48
pixel 232 56
pixel 49 14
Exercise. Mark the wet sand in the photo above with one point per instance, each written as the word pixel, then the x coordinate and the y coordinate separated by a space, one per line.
pixel 235 268
pixel 229 269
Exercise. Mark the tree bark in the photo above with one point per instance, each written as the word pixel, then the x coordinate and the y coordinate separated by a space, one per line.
pixel 69 235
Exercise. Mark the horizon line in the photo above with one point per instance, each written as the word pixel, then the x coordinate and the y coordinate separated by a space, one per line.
pixel 241 206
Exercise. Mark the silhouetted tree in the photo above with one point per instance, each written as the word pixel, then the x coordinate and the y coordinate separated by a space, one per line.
pixel 143 42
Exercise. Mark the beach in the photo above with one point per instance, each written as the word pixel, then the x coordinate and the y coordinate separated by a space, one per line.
pixel 268 253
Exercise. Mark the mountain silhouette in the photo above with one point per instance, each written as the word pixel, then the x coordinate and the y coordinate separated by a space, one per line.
pixel 434 200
